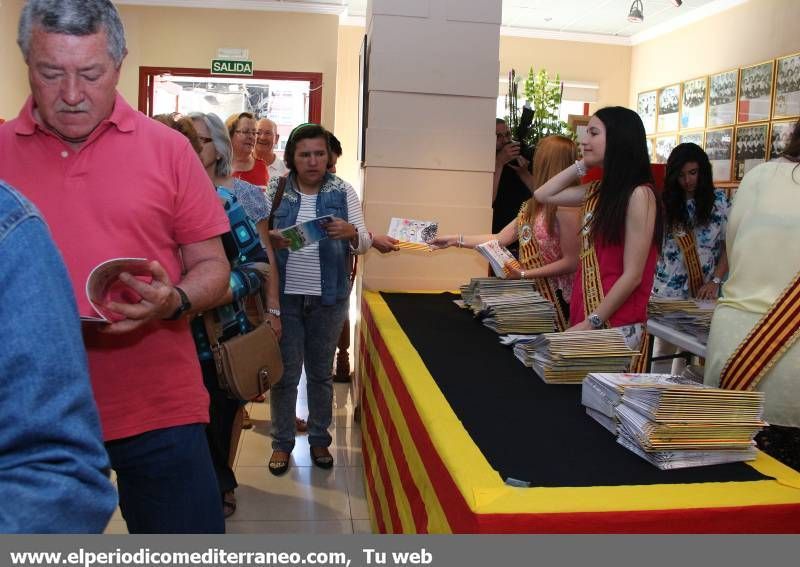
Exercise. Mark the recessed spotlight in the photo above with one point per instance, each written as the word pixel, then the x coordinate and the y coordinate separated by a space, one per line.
pixel 677 3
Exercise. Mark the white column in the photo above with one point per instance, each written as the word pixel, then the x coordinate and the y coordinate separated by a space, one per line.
pixel 433 82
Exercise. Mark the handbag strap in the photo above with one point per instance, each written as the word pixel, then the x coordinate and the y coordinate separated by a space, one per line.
pixel 276 201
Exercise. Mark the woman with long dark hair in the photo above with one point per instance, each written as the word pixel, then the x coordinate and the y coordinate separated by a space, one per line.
pixel 548 235
pixel 620 224
pixel 692 262
pixel 752 344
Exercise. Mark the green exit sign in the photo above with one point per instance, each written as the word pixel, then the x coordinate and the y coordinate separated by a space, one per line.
pixel 230 67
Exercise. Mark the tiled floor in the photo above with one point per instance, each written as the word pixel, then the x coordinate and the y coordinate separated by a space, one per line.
pixel 307 499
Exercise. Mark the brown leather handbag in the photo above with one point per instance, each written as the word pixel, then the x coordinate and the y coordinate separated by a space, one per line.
pixel 249 364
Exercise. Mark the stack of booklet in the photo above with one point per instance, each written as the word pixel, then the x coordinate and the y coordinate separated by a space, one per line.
pixel 690 316
pixel 500 259
pixel 509 306
pixel 566 358
pixel 673 422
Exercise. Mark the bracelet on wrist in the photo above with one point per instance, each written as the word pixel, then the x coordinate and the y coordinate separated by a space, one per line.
pixel 580 168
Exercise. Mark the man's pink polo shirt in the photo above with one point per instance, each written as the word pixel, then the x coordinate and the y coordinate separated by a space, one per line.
pixel 135 189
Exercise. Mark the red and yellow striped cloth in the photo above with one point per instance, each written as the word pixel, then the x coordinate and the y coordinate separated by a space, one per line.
pixel 425 475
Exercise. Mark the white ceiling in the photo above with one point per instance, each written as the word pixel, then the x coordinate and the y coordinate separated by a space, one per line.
pixel 602 21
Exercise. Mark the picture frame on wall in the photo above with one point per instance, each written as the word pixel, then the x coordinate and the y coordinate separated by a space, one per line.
pixel 646 107
pixel 750 148
pixel 722 94
pixel 693 103
pixel 698 137
pixel 755 92
pixel 664 147
pixel 719 146
pixel 779 136
pixel 668 108
pixel 787 87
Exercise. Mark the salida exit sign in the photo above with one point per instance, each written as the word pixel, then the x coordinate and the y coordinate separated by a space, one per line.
pixel 230 67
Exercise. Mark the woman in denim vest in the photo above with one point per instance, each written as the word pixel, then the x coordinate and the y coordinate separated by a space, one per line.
pixel 314 289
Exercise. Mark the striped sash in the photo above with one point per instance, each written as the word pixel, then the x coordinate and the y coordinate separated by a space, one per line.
pixel 530 257
pixel 764 345
pixel 590 269
pixel 688 244
pixel 590 274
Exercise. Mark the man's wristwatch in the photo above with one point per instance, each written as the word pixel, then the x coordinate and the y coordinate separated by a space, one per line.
pixel 183 307
pixel 595 321
pixel 275 312
pixel 716 280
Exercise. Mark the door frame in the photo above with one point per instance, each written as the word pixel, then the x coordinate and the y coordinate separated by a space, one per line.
pixel 146 75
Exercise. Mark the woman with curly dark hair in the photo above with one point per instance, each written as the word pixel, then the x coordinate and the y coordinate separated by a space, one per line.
pixel 693 260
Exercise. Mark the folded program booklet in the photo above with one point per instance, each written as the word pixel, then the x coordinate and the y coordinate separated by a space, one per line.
pixel 413 234
pixel 302 234
pixel 500 259
pixel 103 285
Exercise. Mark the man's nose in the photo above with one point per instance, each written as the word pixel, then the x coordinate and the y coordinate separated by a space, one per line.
pixel 72 90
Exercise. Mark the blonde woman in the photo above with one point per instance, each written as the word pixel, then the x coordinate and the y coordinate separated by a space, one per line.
pixel 547 234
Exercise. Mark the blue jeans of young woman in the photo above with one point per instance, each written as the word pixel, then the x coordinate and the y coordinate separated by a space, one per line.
pixel 310 334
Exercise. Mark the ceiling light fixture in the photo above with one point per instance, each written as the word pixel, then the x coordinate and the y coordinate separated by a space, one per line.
pixel 636 15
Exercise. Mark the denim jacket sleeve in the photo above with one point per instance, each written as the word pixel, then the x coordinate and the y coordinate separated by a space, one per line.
pixel 53 465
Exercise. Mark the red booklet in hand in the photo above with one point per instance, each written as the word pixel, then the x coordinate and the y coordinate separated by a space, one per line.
pixel 103 285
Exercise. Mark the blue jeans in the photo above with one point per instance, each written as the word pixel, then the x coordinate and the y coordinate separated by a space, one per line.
pixel 310 334
pixel 166 481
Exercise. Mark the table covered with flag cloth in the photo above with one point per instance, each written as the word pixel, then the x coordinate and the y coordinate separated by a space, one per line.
pixel 460 437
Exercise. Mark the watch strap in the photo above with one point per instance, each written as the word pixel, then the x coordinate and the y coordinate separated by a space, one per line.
pixel 183 307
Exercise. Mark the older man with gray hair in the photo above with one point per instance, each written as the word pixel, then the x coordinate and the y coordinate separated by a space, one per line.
pixel 112 183
pixel 267 137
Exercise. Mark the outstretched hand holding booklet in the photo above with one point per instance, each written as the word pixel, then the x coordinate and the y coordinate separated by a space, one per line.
pixel 500 259
pixel 103 286
pixel 413 234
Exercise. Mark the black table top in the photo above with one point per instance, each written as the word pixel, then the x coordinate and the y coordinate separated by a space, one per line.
pixel 526 429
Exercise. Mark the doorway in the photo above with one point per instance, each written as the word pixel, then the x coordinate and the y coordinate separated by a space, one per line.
pixel 287 98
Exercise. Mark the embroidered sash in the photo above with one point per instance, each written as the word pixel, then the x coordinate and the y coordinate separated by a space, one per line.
pixel 764 345
pixel 531 258
pixel 590 273
pixel 688 244
pixel 590 269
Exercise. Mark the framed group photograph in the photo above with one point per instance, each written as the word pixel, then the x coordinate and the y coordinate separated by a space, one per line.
pixel 668 102
pixel 719 149
pixel 750 148
pixel 646 107
pixel 722 91
pixel 787 87
pixel 698 138
pixel 755 92
pixel 664 147
pixel 779 136
pixel 693 107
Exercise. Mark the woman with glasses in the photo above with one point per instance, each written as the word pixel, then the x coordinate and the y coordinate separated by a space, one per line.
pixel 315 289
pixel 242 132
pixel 246 209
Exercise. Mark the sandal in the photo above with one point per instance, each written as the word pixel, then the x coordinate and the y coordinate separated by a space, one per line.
pixel 300 425
pixel 228 503
pixel 247 423
pixel 321 457
pixel 278 463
